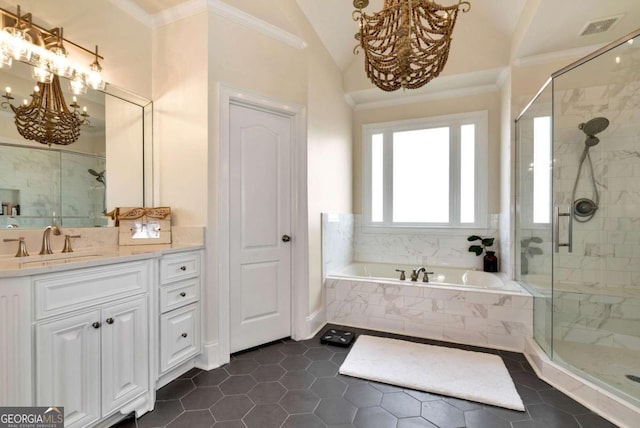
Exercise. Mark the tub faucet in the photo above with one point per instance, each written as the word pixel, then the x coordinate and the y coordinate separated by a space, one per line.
pixel 402 277
pixel 415 273
pixel 425 278
pixel 46 238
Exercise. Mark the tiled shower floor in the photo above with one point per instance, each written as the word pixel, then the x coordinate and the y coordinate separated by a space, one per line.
pixel 296 384
pixel 607 363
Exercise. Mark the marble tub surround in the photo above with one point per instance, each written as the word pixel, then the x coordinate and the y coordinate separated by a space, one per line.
pixel 496 319
pixel 424 247
pixel 337 242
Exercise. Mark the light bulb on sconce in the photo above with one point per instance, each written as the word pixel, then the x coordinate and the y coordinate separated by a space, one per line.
pixel 94 76
pixel 41 72
pixel 77 84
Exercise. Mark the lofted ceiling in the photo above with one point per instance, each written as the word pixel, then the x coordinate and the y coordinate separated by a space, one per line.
pixel 493 35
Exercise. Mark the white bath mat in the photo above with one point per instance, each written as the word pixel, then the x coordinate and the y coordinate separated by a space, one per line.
pixel 474 376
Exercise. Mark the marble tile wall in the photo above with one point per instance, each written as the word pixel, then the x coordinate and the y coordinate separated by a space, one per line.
pixel 482 318
pixel 605 261
pixel 337 242
pixel 36 181
pixel 596 287
pixel 446 247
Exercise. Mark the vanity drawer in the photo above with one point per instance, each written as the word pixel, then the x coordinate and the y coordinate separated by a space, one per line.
pixel 179 294
pixel 175 267
pixel 180 338
pixel 61 292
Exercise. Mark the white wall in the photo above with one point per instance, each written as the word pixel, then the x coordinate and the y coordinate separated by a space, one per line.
pixel 191 59
pixel 181 128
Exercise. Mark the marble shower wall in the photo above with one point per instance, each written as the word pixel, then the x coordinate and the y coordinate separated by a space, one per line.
pixel 597 286
pixel 33 179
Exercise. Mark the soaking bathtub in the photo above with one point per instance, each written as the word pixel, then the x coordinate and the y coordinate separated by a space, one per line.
pixel 456 305
pixel 442 276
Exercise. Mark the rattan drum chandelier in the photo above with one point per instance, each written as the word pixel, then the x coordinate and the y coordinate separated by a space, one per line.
pixel 407 43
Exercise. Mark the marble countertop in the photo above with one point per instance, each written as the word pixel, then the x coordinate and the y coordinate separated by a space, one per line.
pixel 11 266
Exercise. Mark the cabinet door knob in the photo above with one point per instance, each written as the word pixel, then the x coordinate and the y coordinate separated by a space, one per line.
pixel 183 268
pixel 109 320
pixel 286 238
pixel 184 335
pixel 183 294
pixel 95 325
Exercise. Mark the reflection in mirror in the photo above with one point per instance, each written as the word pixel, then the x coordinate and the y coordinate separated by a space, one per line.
pixel 74 185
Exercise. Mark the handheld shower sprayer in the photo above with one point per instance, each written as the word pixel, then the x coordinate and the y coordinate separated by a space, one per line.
pixel 584 209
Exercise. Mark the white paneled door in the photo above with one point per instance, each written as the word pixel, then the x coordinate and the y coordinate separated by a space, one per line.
pixel 260 226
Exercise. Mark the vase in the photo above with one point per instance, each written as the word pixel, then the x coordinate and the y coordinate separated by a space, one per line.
pixel 490 262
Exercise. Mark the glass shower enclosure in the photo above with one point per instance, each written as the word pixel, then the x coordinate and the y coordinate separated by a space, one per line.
pixel 578 216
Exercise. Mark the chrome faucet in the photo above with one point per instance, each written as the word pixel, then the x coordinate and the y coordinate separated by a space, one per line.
pixel 46 239
pixel 415 273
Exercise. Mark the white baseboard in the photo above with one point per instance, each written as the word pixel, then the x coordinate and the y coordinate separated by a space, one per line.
pixel 315 322
pixel 209 358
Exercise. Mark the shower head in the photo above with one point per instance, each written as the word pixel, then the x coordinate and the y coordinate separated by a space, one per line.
pixel 594 126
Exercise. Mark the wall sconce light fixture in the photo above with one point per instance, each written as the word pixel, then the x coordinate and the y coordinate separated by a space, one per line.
pixel 47 119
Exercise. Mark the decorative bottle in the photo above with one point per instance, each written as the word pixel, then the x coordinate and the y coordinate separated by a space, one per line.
pixel 490 262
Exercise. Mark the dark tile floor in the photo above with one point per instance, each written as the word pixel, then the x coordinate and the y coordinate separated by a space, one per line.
pixel 296 384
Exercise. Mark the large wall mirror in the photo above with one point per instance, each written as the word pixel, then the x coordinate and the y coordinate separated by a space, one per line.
pixel 74 185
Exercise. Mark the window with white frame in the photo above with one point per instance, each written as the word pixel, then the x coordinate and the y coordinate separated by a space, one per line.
pixel 430 172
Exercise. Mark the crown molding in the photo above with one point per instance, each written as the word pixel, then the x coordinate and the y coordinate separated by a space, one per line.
pixel 194 7
pixel 257 24
pixel 414 99
pixel 178 12
pixel 556 56
pixel 135 11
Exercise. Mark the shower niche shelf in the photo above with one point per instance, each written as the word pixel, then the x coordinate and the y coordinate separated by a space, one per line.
pixel 10 199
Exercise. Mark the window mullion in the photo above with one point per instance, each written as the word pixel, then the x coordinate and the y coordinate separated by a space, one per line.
pixel 388 177
pixel 454 174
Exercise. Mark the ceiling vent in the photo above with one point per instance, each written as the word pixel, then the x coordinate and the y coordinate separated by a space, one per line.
pixel 600 25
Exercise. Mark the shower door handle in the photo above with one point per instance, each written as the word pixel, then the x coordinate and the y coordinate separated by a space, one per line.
pixel 556 230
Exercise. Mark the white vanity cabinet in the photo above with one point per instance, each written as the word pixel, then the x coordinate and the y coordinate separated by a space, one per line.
pixel 92 339
pixel 179 310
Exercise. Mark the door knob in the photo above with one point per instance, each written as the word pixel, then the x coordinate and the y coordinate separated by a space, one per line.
pixel 95 325
pixel 286 238
pixel 109 320
pixel 184 335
